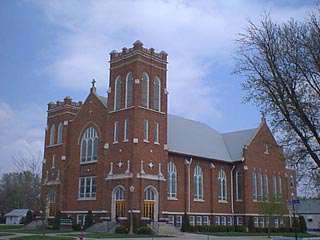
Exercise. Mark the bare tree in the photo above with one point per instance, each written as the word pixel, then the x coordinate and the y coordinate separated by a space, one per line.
pixel 21 188
pixel 281 68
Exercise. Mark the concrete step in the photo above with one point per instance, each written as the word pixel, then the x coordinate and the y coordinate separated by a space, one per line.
pixel 166 229
pixel 102 227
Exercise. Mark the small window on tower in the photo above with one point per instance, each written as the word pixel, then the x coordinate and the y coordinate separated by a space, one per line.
pixel 156 134
pixel 126 131
pixel 116 132
pixel 146 130
pixel 267 148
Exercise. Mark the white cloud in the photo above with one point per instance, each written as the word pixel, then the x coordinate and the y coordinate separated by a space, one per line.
pixel 195 34
pixel 21 131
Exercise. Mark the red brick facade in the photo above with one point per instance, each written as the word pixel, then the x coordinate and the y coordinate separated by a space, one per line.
pixel 135 164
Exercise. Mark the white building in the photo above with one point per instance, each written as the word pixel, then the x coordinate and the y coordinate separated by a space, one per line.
pixel 16 216
pixel 310 210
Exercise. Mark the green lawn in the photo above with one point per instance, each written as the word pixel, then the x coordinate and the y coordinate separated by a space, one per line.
pixel 39 231
pixel 39 237
pixel 5 234
pixel 5 227
pixel 284 234
pixel 112 235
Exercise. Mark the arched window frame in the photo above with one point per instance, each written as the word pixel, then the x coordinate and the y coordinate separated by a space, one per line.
pixel 129 90
pixel 254 186
pixel 157 94
pixel 60 132
pixel 145 92
pixel 150 194
pixel 119 193
pixel 239 186
pixel 89 146
pixel 52 134
pixel 172 180
pixel 222 178
pixel 117 93
pixel 198 183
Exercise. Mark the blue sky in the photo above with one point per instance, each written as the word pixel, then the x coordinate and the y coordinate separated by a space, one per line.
pixel 52 49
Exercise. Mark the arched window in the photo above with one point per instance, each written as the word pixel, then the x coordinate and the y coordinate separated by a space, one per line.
pixel 145 90
pixel 119 193
pixel 254 186
pixel 149 194
pixel 239 188
pixel 129 90
pixel 89 145
pixel 51 196
pixel 52 134
pixel 60 130
pixel 172 180
pixel 198 183
pixel 157 94
pixel 117 94
pixel 222 185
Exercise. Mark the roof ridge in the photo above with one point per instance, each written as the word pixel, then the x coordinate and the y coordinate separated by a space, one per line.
pixel 196 121
pixel 240 130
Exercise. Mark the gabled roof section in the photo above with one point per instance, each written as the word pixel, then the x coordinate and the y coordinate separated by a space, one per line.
pixel 195 138
pixel 235 141
pixel 17 213
pixel 198 139
pixel 308 206
pixel 103 100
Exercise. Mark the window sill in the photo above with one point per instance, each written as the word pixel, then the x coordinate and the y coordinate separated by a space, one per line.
pixel 157 143
pixel 121 109
pixel 115 142
pixel 222 201
pixel 126 140
pixel 54 145
pixel 87 199
pixel 88 162
pixel 150 109
pixel 239 200
pixel 198 200
pixel 145 141
pixel 172 199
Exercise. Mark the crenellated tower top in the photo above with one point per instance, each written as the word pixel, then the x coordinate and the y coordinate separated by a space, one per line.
pixel 138 48
pixel 66 103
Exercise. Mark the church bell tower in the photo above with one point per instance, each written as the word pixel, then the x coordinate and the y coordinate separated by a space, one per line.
pixel 137 107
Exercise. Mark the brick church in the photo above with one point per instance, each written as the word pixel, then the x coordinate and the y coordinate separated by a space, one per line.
pixel 124 154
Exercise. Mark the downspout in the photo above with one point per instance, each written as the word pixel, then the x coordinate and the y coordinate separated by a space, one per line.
pixel 189 184
pixel 232 207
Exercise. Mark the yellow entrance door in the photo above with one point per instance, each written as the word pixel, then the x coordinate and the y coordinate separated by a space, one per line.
pixel 148 209
pixel 120 208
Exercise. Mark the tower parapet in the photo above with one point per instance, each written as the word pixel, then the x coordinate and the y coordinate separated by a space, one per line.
pixel 138 49
pixel 66 103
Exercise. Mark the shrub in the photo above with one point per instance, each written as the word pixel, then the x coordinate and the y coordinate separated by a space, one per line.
pixel 2 218
pixel 89 219
pixel 144 230
pixel 185 227
pixel 251 224
pixel 121 230
pixel 56 223
pixel 302 224
pixel 28 219
pixel 76 227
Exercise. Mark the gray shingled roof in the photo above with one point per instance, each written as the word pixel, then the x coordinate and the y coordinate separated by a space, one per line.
pixel 103 100
pixel 17 213
pixel 308 206
pixel 198 139
pixel 236 140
